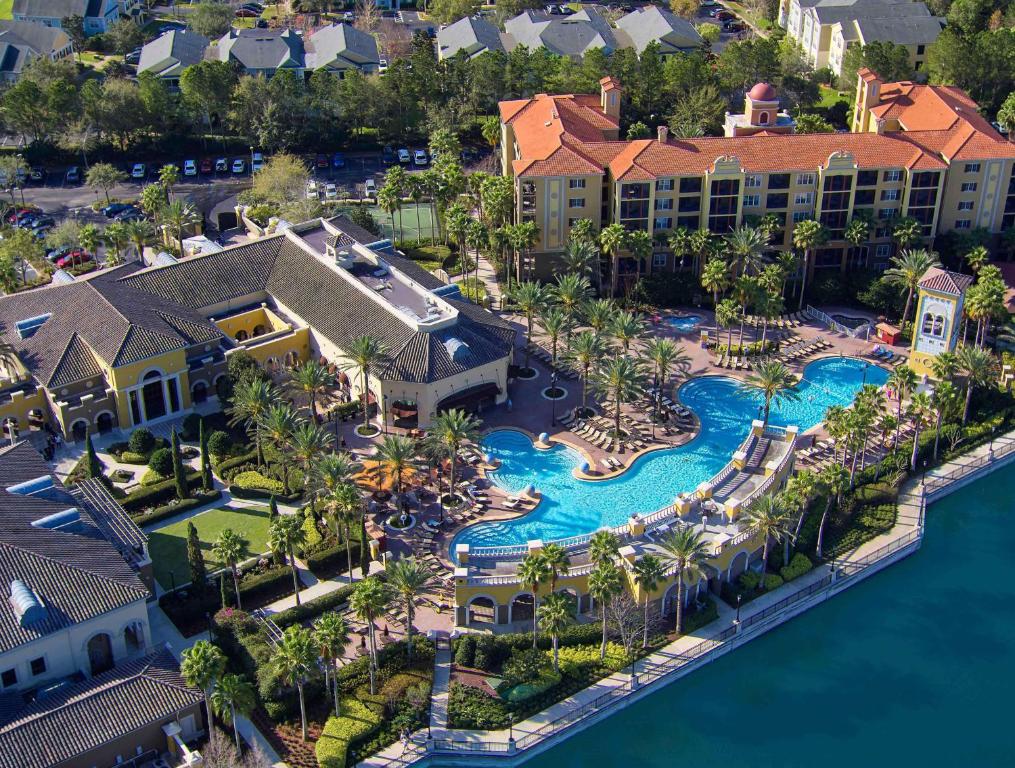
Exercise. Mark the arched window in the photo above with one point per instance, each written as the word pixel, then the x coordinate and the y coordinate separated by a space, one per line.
pixel 939 325
pixel 241 336
pixel 258 330
pixel 928 324
pixel 763 118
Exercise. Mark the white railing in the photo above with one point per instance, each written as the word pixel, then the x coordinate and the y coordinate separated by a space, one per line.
pixel 835 325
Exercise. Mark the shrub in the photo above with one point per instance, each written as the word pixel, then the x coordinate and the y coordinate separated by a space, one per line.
pixel 465 653
pixel 154 495
pixel 161 462
pixel 699 617
pixel 300 614
pixel 129 457
pixel 252 480
pixel 331 561
pixel 772 581
pixel 356 722
pixel 142 441
pixel 219 443
pixel 151 477
pixel 470 707
pixel 488 654
pixel 117 448
pixel 797 567
pixel 314 537
pixel 588 656
pixel 525 666
pixel 168 510
pixel 191 426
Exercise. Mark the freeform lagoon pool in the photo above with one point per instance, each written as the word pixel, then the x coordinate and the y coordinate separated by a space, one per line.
pixel 683 323
pixel 570 507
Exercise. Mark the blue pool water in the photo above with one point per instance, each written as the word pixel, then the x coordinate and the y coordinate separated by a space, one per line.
pixel 684 324
pixel 570 507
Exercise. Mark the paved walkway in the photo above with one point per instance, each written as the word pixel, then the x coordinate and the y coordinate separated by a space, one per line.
pixel 441 684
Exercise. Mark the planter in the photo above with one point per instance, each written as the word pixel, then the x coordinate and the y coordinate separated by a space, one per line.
pixel 367 431
pixel 554 393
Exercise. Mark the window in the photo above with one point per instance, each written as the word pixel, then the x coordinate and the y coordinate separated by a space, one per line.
pixel 664 203
pixel 840 182
pixel 920 50
pixel 933 325
pixel 799 216
pixel 778 181
pixel 690 185
pixel 778 200
pixel 752 201
pixel 9 678
pixel 892 176
pixel 658 259
pixel 969 186
pixel 722 207
pixel 691 222
pixel 752 180
pixel 866 178
pixel 966 205
pixel 883 251
pixel 963 223
pixel 689 204
pixel 576 184
pixel 925 179
pixel 887 213
pixel 576 202
pixel 863 197
pixel 972 167
pixel 633 191
pixel 889 194
pixel 805 179
pixel 663 222
pixel 664 185
pixel 38 666
pixel 803 198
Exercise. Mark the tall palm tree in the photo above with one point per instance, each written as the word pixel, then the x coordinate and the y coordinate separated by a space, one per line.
pixel 116 236
pixel 648 572
pixel 715 279
pixel 944 400
pixel 140 233
pixel 908 268
pixel 797 497
pixel 555 615
pixel 639 244
pixel 599 315
pixel 579 257
pixel 807 235
pixel 345 507
pixel 767 516
pixel 906 231
pixel 278 424
pixel 332 471
pixel 903 380
pixel 394 456
pixel 286 534
pixel 177 217
pixel 919 411
pixel 251 401
pixel 331 633
pixel 684 549
pixel 554 323
pixel 626 328
pixel 365 353
pixel 978 367
pixel 532 572
pixel 621 379
pixel 726 313
pixel 449 432
pixel 408 578
pixel 604 546
pixel 571 291
pixel 833 479
pixel 604 583
pixel 312 380
pixel 233 695
pixel 201 665
pixel 664 355
pixel 295 659
pixel 776 382
pixel 745 288
pixel 529 297
pixel 557 561
pixel 611 240
pixel 308 444
pixel 745 246
pixel 369 599
pixel 228 549
pixel 681 243
pixel 524 237
pixel 587 349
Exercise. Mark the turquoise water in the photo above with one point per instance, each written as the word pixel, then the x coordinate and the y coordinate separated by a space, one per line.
pixel 684 324
pixel 570 507
pixel 913 666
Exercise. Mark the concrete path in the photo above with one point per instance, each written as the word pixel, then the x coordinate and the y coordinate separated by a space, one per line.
pixel 441 684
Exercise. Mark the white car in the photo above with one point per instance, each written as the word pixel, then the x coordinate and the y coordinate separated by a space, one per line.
pixel 404 157
pixel 370 188
pixel 382 66
pixel 420 157
pixel 256 162
pixel 239 165
pixel 138 171
pixel 330 192
pixel 189 168
pixel 312 193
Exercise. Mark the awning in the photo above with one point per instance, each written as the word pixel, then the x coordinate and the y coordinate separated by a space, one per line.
pixel 469 397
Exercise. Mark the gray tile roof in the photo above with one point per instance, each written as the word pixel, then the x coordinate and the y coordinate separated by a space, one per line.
pixel 341 46
pixel 76 363
pixel 88 715
pixel 474 35
pixel 77 572
pixel 901 30
pixel 564 35
pixel 832 11
pixel 169 54
pixel 22 41
pixel 55 9
pixel 262 49
pixel 652 23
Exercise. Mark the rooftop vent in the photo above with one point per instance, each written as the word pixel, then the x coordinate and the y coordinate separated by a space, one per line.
pixel 59 520
pixel 26 603
pixel 29 487
pixel 457 349
pixel 27 328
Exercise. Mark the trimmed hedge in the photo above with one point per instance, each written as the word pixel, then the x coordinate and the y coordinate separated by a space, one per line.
pixel 169 510
pixel 356 722
pixel 311 609
pixel 798 566
pixel 222 467
pixel 154 495
pixel 129 457
pixel 252 480
pixel 332 561
pixel 492 650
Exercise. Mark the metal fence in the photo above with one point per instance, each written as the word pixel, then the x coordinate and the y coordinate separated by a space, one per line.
pixel 999 448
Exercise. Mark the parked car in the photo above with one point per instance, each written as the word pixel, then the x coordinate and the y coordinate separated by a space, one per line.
pixel 348 16
pixel 420 157
pixel 239 165
pixel 388 155
pixel 21 213
pixel 404 157
pixel 138 171
pixel 261 23
pixel 246 13
pixel 382 65
pixel 312 191
pixel 370 188
pixel 55 254
pixel 338 160
pixel 37 174
pixel 330 191
pixel 221 165
pixel 73 259
pixel 321 161
pixel 256 162
pixel 207 166
pixel 73 175
pixel 189 168
pixel 131 214
pixel 113 209
pixel 733 25
pixel 43 222
pixel 134 57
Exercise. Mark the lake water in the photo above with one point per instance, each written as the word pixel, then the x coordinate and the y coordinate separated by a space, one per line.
pixel 913 666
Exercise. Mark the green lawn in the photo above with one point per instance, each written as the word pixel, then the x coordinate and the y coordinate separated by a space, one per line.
pixel 6 9
pixel 168 545
pixel 831 97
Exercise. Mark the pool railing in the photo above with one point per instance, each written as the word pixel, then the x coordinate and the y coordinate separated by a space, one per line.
pixel 835 325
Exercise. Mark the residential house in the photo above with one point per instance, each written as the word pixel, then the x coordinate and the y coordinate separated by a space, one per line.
pixel 472 36
pixel 169 54
pixel 21 42
pixel 341 48
pixel 563 35
pixel 652 24
pixel 262 51
pixel 98 15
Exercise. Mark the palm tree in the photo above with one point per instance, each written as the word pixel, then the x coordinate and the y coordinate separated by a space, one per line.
pixel 308 444
pixel 408 578
pixel 715 279
pixel 555 615
pixel 251 401
pixel 533 571
pixel 116 236
pixel 571 291
pixel 903 380
pixel 177 217
pixel 648 572
pixel 586 350
pixel 681 242
pixel 907 269
pixel 449 431
pixel 312 379
pixel 788 263
pixel 365 353
pixel 278 424
pixel 599 315
pixel 332 471
pixel 390 201
pixel 977 258
pixel 726 313
pixel 622 380
pixel 833 480
pixel 684 549
pixel 807 235
pixel 767 516
pixel 604 546
pixel 331 633
pixel 140 233
pixel 776 382
pixel 639 244
pixel 944 400
pixel 797 497
pixel 664 355
pixel 369 599
pixel 295 658
pixel 201 665
pixel 604 583
pixel 579 256
pixel 745 288
pixel 345 506
pixel 529 297
pixel 395 454
pixel 625 328
pixel 557 561
pixel 554 323
pixel 524 236
pixel 611 240
pixel 857 231
pixel 978 367
pixel 906 231
pixel 229 549
pixel 169 175
pixel 286 534
pixel 233 695
pixel 920 408
pixel 745 246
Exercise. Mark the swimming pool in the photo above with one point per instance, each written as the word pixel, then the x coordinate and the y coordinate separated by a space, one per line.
pixel 570 507
pixel 684 323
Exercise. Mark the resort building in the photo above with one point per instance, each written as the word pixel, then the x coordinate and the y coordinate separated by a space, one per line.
pixel 940 299
pixel 169 54
pixel 915 150
pixel 261 51
pixel 21 42
pixel 138 346
pixel 341 48
pixel 488 590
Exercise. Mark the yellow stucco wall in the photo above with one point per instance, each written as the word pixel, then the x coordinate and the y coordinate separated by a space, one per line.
pixel 248 321
pixel 298 341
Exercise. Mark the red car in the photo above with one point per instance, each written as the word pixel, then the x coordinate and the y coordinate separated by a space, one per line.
pixel 321 161
pixel 21 213
pixel 207 166
pixel 73 259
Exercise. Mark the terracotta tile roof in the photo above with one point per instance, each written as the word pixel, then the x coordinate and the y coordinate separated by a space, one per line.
pixel 943 281
pixel 929 107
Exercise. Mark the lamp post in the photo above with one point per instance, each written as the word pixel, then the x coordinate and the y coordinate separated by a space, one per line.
pixel 740 597
pixel 865 367
pixel 251 161
pixel 553 399
pixel 511 729
pixel 990 448
pixel 440 494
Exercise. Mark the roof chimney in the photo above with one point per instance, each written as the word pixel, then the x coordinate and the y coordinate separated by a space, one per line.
pixel 663 133
pixel 609 97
